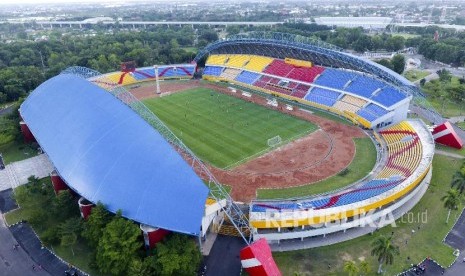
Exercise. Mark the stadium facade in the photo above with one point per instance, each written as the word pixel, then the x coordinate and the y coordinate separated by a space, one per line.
pixel 107 147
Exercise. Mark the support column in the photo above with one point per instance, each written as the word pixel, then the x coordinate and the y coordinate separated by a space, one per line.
pixel 85 207
pixel 152 235
pixel 27 134
pixel 58 183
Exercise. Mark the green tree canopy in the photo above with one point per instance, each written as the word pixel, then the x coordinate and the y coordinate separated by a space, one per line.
pixel 95 224
pixel 177 255
pixel 384 250
pixel 118 246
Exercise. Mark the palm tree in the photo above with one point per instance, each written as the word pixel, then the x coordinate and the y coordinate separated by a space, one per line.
pixel 350 268
pixel 451 201
pixel 458 181
pixel 385 250
pixel 365 268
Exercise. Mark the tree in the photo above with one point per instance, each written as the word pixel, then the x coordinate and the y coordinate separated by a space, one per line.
pixel 365 268
pixel 65 206
pixel 351 268
pixel 384 250
pixel 398 63
pixel 386 63
pixel 69 231
pixel 458 181
pixel 451 201
pixel 178 255
pixel 444 75
pixel 142 268
pixel 95 224
pixel 118 246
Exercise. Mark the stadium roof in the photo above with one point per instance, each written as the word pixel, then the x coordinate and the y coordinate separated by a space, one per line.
pixel 106 152
pixel 282 45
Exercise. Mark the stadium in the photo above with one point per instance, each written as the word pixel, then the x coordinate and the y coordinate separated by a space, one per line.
pixel 273 112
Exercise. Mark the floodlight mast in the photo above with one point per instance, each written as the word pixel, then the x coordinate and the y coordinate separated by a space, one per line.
pixel 157 81
pixel 237 218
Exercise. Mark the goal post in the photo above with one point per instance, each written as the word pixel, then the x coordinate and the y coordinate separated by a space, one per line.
pixel 275 141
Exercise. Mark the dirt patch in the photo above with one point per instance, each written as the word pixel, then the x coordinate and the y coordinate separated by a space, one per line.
pixel 315 157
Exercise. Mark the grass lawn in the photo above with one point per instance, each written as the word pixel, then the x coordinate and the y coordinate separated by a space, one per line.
pixel 414 75
pixel 452 150
pixel 427 241
pixel 406 35
pixel 448 108
pixel 221 129
pixel 16 151
pixel 82 253
pixel 362 164
pixel 461 125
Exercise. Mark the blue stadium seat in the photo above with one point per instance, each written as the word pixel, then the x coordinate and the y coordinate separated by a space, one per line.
pixel 247 77
pixel 364 86
pixel 325 93
pixel 388 96
pixel 213 70
pixel 334 78
pixel 320 99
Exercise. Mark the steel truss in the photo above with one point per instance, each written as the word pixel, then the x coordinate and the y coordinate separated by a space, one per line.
pixel 234 213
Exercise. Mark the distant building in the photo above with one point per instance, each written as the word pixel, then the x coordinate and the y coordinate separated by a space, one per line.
pixel 371 23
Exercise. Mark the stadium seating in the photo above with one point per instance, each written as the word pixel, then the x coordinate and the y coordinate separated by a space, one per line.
pixel 343 106
pixel 388 96
pixel 247 77
pixel 300 91
pixel 353 100
pixel 282 69
pixel 404 153
pixel 278 68
pixel 237 60
pixel 216 60
pixel 335 78
pixel 143 73
pixel 121 78
pixel 176 71
pixel 364 86
pixel 258 63
pixel 230 73
pixel 212 71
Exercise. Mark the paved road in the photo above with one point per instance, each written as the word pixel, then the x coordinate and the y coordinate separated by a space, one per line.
pixel 457 119
pixel 224 257
pixel 14 262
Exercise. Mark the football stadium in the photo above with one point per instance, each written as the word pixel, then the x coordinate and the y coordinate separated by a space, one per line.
pixel 250 139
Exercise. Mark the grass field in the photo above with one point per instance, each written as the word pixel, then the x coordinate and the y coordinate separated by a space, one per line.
pixel 414 75
pixel 361 165
pixel 221 129
pixel 16 151
pixel 318 112
pixel 426 241
pixel 452 150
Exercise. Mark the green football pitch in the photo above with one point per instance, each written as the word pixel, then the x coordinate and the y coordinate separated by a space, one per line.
pixel 223 130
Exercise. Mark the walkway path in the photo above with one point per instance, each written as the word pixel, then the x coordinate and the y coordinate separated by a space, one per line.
pixel 449 154
pixel 456 119
pixel 17 173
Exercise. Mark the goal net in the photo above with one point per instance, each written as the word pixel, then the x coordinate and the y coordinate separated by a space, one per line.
pixel 273 142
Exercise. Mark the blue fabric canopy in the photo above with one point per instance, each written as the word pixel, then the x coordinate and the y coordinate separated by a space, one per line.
pixel 106 152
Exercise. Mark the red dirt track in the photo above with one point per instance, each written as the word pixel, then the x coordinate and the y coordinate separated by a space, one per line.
pixel 315 157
